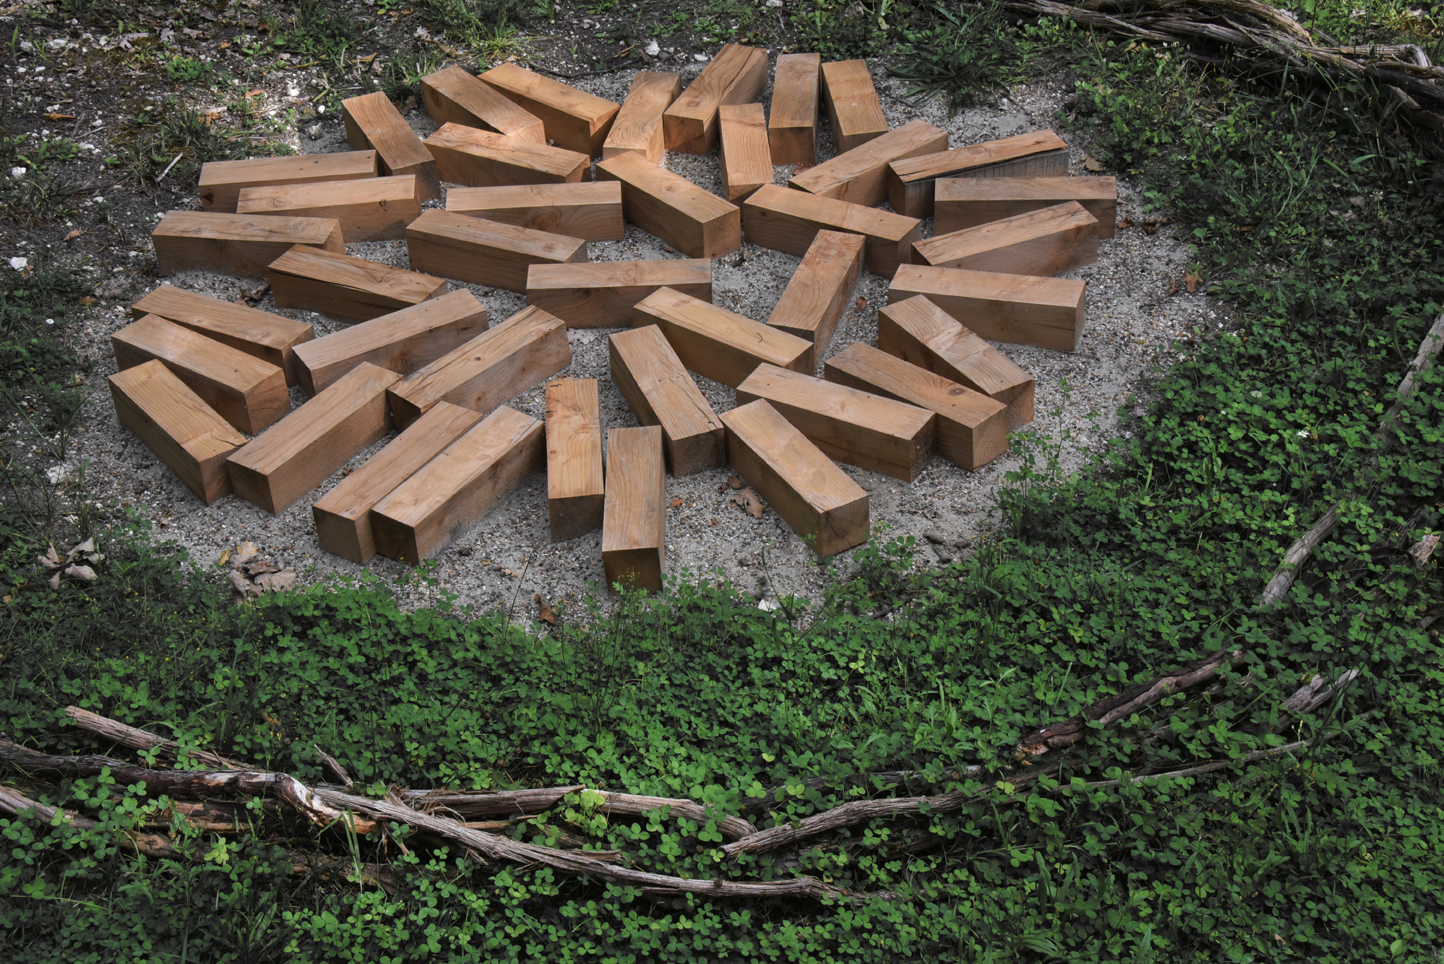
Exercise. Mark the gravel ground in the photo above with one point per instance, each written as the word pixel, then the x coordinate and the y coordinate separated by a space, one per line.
pixel 507 558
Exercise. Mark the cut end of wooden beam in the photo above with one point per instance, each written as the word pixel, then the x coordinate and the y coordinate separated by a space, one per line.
pixel 575 493
pixel 634 530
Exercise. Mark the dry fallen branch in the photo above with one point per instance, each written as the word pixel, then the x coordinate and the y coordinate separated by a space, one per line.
pixel 142 740
pixel 525 802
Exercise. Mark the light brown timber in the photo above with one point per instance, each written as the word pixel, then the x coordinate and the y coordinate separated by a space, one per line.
pixel 820 291
pixel 177 426
pixel 792 123
pixel 476 158
pixel 1047 241
pixel 602 294
pixel 452 95
pixel 493 367
pixel 299 452
pixel 271 338
pixel 634 528
pixel 370 209
pixel 860 175
pixel 737 75
pixel 717 343
pixel 401 341
pixel 1016 308
pixel 241 245
pixel 340 286
pixel 484 252
pixel 801 484
pixel 1034 154
pixel 745 160
pixel 853 108
pixel 591 211
pixel 373 122
pixel 656 385
pixel 424 514
pixel 247 392
pixel 784 220
pixel 343 515
pixel 696 222
pixel 638 126
pixel 574 119
pixel 575 492
pixel 221 181
pixel 965 202
pixel 971 428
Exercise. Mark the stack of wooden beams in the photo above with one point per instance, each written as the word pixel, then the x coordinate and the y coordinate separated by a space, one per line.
pixel 531 171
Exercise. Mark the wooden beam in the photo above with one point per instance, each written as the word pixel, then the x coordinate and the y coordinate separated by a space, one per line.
pixel 401 341
pixel 696 222
pixel 260 334
pixel 860 175
pixel 717 343
pixel 634 530
pixel 340 286
pixel 590 211
pixel 373 122
pixel 454 96
pixel 247 392
pixel 574 457
pixel 918 331
pixel 660 392
pixel 299 452
pixel 497 365
pixel 1034 154
pixel 792 124
pixel 801 484
pixel 638 126
pixel 853 108
pixel 221 181
pixel 849 425
pixel 745 159
pixel 785 220
pixel 737 75
pixel 372 209
pixel 177 426
pixel 477 158
pixel 602 294
pixel 242 245
pixel 425 514
pixel 1047 241
pixel 1016 308
pixel 966 202
pixel 574 119
pixel 343 516
pixel 971 428
pixel 484 252
pixel 820 291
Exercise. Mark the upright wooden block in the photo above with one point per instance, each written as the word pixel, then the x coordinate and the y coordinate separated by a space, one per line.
pixel 352 289
pixel 297 453
pixel 971 428
pixel 660 391
pixel 373 122
pixel 792 124
pixel 260 334
pixel 453 96
pixel 918 331
pixel 737 75
pixel 221 181
pixel 574 119
pixel 370 209
pixel 247 392
pixel 343 516
pixel 1017 308
pixel 574 457
pixel 819 291
pixel 634 530
pixel 485 252
pixel 860 175
pixel 401 341
pixel 849 425
pixel 716 343
pixel 174 423
pixel 1047 241
pixel 493 367
pixel 801 484
pixel 746 161
pixel 602 294
pixel 241 245
pixel 853 108
pixel 590 211
pixel 638 126
pixel 1035 154
pixel 696 222
pixel 424 514
pixel 789 220
pixel 966 202
pixel 478 158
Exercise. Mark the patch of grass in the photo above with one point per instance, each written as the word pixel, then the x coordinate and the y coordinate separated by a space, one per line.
pixel 174 139
pixel 843 29
pixel 959 51
pixel 473 23
pixel 324 30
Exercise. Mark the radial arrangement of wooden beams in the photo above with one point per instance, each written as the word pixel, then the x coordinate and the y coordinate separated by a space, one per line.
pixel 527 171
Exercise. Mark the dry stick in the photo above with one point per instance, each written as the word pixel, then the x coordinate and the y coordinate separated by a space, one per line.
pixel 14 803
pixel 142 740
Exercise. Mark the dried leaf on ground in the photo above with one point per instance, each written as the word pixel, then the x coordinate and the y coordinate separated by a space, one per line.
pixel 1091 164
pixel 544 612
pixel 277 581
pixel 676 502
pixel 733 482
pixel 1191 281
pixel 748 500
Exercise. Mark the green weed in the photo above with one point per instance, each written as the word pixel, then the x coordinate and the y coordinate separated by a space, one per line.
pixel 961 54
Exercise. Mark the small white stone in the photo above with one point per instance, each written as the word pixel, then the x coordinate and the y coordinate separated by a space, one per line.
pixel 700 58
pixel 293 92
pixel 652 49
pixel 18 171
pixel 19 264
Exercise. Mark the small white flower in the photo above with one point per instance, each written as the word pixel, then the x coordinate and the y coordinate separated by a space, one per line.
pixel 1303 434
pixel 1256 394
pixel 18 171
pixel 50 321
pixel 19 264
